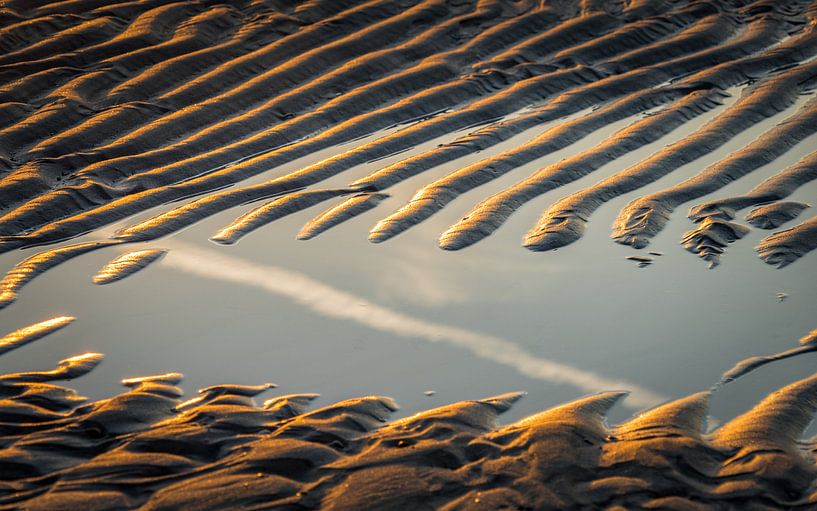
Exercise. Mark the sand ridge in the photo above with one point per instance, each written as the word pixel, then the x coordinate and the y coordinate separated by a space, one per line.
pixel 110 129
pixel 109 108
pixel 147 448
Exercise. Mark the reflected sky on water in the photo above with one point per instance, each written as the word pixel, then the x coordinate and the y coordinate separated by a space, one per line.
pixel 343 317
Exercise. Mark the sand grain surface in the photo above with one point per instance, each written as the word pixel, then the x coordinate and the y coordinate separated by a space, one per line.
pixel 122 122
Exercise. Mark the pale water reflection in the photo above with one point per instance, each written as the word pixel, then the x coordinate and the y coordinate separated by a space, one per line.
pixel 337 304
pixel 556 325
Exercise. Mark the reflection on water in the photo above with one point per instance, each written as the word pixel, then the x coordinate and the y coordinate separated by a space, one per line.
pixel 337 304
pixel 214 135
pixel 582 318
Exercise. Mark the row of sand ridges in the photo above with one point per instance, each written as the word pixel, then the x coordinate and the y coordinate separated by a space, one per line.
pixel 112 108
pixel 148 449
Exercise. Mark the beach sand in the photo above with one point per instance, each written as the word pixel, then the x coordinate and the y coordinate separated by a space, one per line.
pixel 263 188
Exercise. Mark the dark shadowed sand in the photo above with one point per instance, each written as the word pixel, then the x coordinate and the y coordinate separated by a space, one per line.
pixel 259 191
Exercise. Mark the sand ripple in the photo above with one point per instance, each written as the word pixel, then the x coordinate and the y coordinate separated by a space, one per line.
pixel 126 265
pixel 116 109
pixel 148 449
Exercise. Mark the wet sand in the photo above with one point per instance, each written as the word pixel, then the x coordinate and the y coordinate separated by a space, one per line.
pixel 132 133
pixel 148 448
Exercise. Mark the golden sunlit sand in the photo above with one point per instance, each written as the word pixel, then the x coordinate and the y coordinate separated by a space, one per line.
pixel 148 448
pixel 126 122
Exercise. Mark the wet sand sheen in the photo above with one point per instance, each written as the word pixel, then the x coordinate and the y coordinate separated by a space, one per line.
pixel 147 448
pixel 25 335
pixel 119 110
pixel 126 265
pixel 335 303
pixel 646 43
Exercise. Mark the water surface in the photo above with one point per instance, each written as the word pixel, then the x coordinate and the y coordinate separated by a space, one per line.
pixel 669 329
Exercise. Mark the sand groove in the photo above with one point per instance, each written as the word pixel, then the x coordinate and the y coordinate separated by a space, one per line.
pixel 109 108
pixel 645 217
pixel 473 227
pixel 118 107
pixel 775 188
pixel 565 221
pixel 147 448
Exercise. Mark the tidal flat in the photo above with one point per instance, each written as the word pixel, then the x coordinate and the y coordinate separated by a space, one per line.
pixel 623 194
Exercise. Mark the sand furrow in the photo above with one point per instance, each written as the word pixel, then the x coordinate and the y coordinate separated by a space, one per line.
pixel 775 188
pixel 499 104
pixel 252 66
pixel 438 194
pixel 164 128
pixel 35 176
pixel 47 119
pixel 571 102
pixel 569 33
pixel 646 216
pixel 147 449
pixel 85 34
pixel 634 35
pixel 563 105
pixel 489 214
pixel 359 86
pixel 92 89
pixel 69 200
pixel 256 32
pixel 390 27
pixel 30 89
pixel 235 98
pixel 149 28
pixel 207 29
pixel 436 70
pixel 705 33
pixel 565 221
pixel 31 31
pixel 27 184
pixel 143 155
pixel 157 186
pixel 219 107
pixel 146 34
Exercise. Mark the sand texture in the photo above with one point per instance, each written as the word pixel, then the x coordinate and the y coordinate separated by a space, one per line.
pixel 111 110
pixel 126 121
pixel 126 265
pixel 147 448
